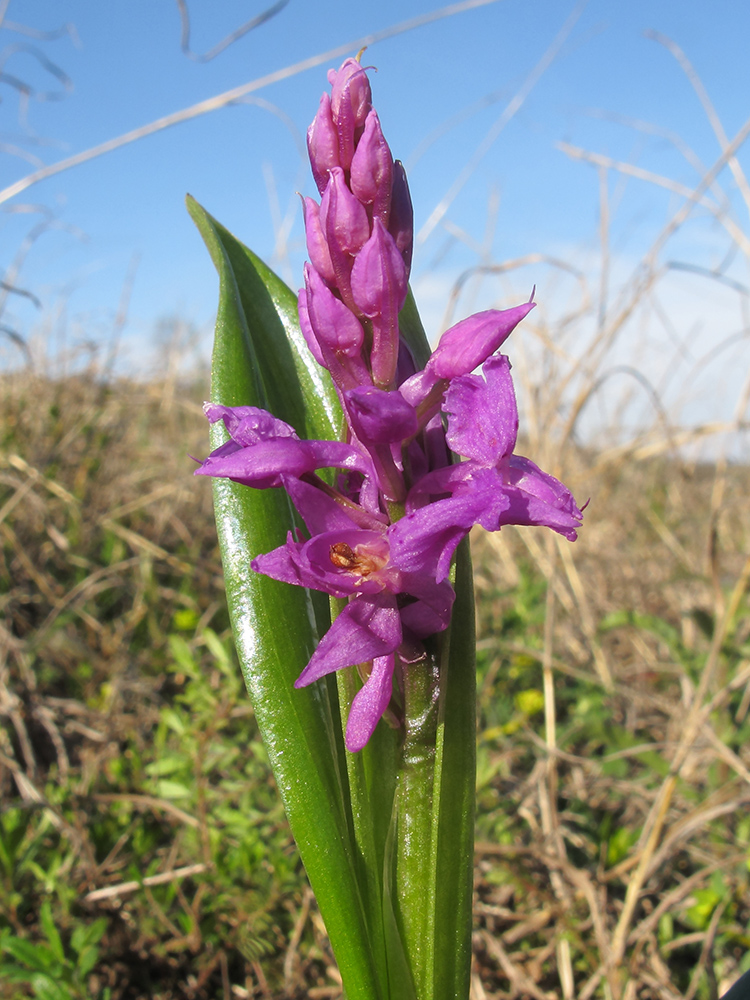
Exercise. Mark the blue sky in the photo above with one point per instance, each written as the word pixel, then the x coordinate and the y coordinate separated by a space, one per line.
pixel 127 69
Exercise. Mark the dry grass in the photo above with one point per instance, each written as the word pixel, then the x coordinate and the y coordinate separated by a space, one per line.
pixel 642 659
pixel 615 687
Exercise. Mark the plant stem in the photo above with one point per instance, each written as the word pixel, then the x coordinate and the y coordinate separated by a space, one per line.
pixel 414 875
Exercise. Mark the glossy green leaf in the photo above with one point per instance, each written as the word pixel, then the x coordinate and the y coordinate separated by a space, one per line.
pixel 455 796
pixel 260 359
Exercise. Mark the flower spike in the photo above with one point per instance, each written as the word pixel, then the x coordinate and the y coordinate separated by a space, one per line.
pixel 383 533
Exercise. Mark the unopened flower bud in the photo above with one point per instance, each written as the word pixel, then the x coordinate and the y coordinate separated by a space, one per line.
pixel 372 169
pixel 323 144
pixel 336 331
pixel 346 228
pixel 401 221
pixel 378 283
pixel 317 246
pixel 382 420
pixel 351 100
pixel 307 330
pixel 343 219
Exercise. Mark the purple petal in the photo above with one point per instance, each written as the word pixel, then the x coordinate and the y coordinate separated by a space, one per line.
pixel 263 465
pixel 322 512
pixel 482 415
pixel 437 483
pixel 431 613
pixel 368 627
pixel 339 455
pixel 424 540
pixel 310 564
pixel 538 498
pixel 352 561
pixel 369 703
pixel 434 443
pixel 288 564
pixel 248 425
pixel 470 342
pixel 380 417
pixel 425 390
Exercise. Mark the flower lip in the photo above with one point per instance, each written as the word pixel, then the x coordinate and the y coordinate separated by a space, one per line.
pixel 360 559
pixel 354 560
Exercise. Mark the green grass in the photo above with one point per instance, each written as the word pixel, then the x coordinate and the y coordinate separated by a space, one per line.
pixel 143 848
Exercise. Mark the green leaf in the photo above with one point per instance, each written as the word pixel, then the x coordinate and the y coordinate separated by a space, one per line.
pixel 411 329
pixel 260 359
pixel 183 655
pixel 45 988
pixel 455 795
pixel 51 932
pixel 14 973
pixel 37 957
pixel 372 785
pixel 168 789
pixel 167 765
pixel 86 935
pixel 87 960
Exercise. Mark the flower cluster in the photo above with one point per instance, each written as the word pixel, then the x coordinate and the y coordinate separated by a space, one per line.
pixel 384 537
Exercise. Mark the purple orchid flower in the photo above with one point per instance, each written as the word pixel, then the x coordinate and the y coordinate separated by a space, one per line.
pixel 348 554
pixel 390 610
pixel 385 537
pixel 493 486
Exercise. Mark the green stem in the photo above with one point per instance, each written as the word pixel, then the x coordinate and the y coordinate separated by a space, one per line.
pixel 435 806
pixel 412 812
pixel 414 877
pixel 372 782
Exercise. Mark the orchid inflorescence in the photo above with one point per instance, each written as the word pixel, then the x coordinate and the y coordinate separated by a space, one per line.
pixel 384 536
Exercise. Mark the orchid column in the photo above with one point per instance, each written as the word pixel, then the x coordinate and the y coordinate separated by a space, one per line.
pixel 384 822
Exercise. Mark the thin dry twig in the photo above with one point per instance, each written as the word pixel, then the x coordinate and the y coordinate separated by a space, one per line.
pixel 508 113
pixel 110 891
pixel 230 39
pixel 233 95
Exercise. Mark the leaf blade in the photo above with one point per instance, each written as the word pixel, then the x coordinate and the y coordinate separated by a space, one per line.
pixel 260 359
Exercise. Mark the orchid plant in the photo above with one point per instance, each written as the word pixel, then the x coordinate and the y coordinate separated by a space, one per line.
pixel 350 462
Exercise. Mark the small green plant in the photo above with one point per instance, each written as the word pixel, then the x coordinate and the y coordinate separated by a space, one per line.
pixel 52 970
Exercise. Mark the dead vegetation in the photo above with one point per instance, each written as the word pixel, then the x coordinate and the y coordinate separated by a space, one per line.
pixel 614 777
